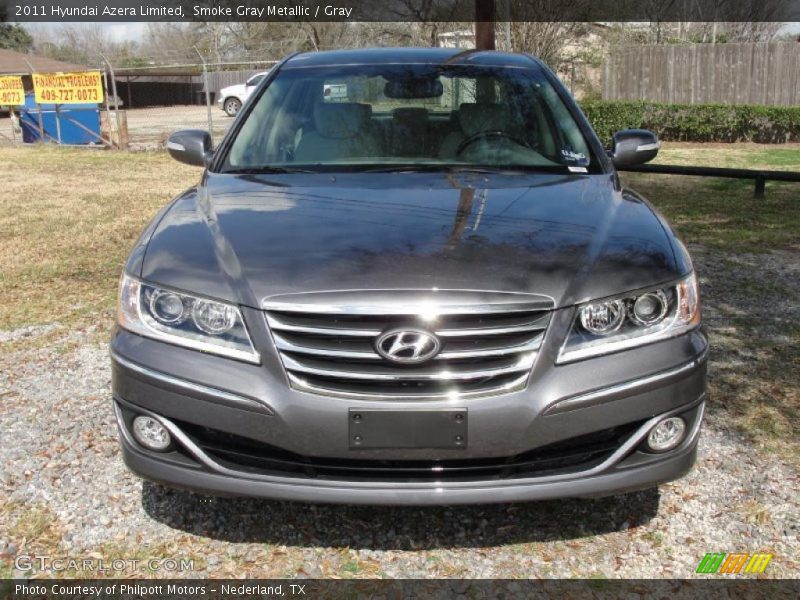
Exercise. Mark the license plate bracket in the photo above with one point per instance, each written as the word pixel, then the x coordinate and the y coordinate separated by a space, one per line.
pixel 390 428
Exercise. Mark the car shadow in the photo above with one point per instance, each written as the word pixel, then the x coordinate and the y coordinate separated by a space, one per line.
pixel 247 520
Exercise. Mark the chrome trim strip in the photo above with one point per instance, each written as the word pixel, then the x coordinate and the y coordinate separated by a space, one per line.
pixel 493 330
pixel 611 347
pixel 229 398
pixel 121 425
pixel 405 309
pixel 636 438
pixel 620 390
pixel 400 301
pixel 646 147
pixel 293 364
pixel 278 325
pixel 344 322
pixel 304 386
pixel 529 346
pixel 284 344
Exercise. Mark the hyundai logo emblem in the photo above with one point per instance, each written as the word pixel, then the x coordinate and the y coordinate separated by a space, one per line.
pixel 408 346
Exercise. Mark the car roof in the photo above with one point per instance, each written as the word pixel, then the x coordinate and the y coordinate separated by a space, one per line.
pixel 377 56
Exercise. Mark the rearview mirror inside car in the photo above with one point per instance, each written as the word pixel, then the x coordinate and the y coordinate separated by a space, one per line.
pixel 634 147
pixel 191 146
pixel 407 89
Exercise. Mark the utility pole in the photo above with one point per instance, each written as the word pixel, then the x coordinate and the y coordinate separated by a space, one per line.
pixel 208 94
pixel 484 24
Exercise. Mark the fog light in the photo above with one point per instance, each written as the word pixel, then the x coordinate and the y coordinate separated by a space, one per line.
pixel 666 434
pixel 151 434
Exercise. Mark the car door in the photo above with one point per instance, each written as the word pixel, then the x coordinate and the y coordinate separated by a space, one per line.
pixel 251 84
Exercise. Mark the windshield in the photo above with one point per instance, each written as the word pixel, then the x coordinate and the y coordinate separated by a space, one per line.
pixel 422 116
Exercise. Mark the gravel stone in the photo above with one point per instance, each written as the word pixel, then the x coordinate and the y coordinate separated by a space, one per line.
pixel 64 460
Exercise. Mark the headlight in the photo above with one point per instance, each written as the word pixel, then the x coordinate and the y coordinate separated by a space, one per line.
pixel 616 324
pixel 602 318
pixel 184 320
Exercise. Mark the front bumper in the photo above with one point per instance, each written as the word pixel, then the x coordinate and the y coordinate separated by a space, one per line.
pixel 615 476
pixel 635 388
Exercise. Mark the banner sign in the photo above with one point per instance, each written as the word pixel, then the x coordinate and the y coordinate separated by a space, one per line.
pixel 68 88
pixel 11 91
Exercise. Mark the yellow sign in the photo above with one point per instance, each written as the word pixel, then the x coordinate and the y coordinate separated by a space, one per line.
pixel 11 91
pixel 68 88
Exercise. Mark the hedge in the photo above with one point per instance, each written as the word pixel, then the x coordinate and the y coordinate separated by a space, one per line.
pixel 696 122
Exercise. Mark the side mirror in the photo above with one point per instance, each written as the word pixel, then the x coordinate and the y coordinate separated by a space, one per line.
pixel 634 147
pixel 190 146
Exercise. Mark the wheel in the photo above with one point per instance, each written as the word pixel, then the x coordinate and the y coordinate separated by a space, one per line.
pixel 232 106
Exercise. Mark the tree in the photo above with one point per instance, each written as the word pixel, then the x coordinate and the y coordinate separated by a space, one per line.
pixel 752 32
pixel 15 37
pixel 83 44
pixel 551 41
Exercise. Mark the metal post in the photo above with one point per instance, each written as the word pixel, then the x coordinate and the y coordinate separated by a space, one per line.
pixel 208 94
pixel 38 106
pixel 108 109
pixel 41 122
pixel 761 185
pixel 11 119
pixel 105 87
pixel 116 99
pixel 58 124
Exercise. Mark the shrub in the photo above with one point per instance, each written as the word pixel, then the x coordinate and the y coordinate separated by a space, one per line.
pixel 697 122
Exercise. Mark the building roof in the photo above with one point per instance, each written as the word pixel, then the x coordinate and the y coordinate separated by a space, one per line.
pixel 14 63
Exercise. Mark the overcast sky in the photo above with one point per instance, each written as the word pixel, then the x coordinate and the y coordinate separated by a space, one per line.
pixel 125 31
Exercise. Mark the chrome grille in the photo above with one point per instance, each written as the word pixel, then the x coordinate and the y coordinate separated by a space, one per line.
pixel 489 342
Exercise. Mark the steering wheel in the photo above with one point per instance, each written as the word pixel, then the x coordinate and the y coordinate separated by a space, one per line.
pixel 492 133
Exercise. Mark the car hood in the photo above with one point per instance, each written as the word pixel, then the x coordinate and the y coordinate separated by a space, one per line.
pixel 245 238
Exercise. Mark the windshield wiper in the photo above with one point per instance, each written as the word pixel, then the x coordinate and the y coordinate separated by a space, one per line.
pixel 486 170
pixel 450 168
pixel 267 170
pixel 401 169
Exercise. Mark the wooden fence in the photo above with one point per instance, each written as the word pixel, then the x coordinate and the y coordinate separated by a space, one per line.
pixel 758 73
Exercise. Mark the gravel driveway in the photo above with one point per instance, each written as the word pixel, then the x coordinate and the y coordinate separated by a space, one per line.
pixel 65 491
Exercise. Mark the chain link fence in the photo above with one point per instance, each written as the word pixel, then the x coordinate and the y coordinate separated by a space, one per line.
pixel 141 106
pixel 157 100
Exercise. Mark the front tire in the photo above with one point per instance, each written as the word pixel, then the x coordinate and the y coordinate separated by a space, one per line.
pixel 231 106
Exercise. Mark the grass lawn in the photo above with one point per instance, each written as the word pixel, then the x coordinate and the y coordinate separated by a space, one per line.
pixel 744 249
pixel 722 213
pixel 773 157
pixel 69 217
